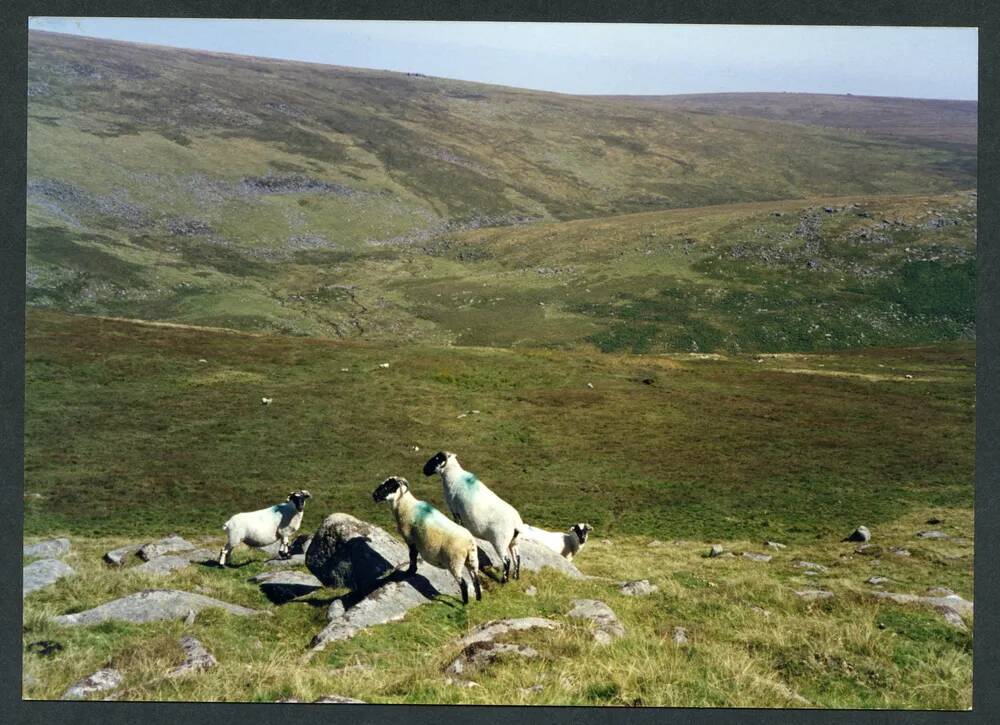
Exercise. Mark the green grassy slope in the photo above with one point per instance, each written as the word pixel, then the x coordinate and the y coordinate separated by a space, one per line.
pixel 787 446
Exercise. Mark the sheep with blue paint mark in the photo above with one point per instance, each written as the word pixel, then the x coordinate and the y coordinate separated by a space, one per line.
pixel 429 533
pixel 478 509
pixel 263 527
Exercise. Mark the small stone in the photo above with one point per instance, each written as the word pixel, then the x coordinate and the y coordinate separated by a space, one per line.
pixel 899 551
pixel 168 545
pixel 51 549
pixel 338 700
pixel 754 556
pixel 460 683
pixel 679 636
pixel 775 545
pixel 43 573
pixel 100 681
pixel 654 544
pixel 876 580
pixel 196 658
pixel 118 557
pixel 531 591
pixel 534 689
pixel 716 550
pixel 812 566
pixel 189 619
pixel 861 534
pixel 932 535
pixel 869 550
pixel 933 520
pixel 639 588
pixel 607 625
pixel 812 595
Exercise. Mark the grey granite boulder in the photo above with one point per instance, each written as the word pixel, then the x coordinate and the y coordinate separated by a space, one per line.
pixel 639 588
pixel 482 653
pixel 121 555
pixel 100 681
pixel 151 605
pixel 606 624
pixel 954 601
pixel 292 561
pixel 534 557
pixel 812 595
pixel 162 565
pixel 51 549
pixel 42 573
pixel 337 700
pixel 932 535
pixel 754 556
pixel 196 658
pixel 168 545
pixel 679 636
pixel 811 566
pixel 489 631
pixel 281 586
pixel 346 552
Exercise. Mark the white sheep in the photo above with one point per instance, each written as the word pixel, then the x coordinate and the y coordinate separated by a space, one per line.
pixel 567 543
pixel 478 509
pixel 264 527
pixel 429 533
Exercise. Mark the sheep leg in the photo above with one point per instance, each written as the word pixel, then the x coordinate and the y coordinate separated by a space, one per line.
pixel 224 553
pixel 283 550
pixel 413 560
pixel 516 556
pixel 506 570
pixel 465 590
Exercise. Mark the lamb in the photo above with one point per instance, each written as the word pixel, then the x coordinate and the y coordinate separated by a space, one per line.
pixel 478 509
pixel 264 527
pixel 429 533
pixel 567 543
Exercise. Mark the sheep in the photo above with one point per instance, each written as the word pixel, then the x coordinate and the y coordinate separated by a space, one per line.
pixel 429 533
pixel 567 543
pixel 478 509
pixel 264 527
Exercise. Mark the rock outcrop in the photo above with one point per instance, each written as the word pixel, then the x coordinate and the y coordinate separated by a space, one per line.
pixel 151 605
pixel 42 573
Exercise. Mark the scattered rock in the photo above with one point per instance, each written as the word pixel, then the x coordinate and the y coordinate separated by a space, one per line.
pixel 118 557
pixel 189 619
pixel 51 549
pixel 869 550
pixel 497 628
pixel 484 653
pixel 932 535
pixel 338 700
pixel 933 521
pixel 654 543
pixel 952 617
pixel 754 556
pixel 716 550
pixel 899 551
pixel 940 592
pixel 292 561
pixel 168 545
pixel 607 625
pixel 859 534
pixel 350 553
pixel 531 591
pixel 775 545
pixel 953 601
pixel 639 588
pixel 283 586
pixel 760 610
pixel 196 658
pixel 534 689
pixel 42 573
pixel 811 595
pixel 100 681
pixel 679 636
pixel 163 565
pixel 876 581
pixel 811 566
pixel 151 605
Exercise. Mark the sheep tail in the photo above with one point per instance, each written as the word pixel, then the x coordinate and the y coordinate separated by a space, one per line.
pixel 518 531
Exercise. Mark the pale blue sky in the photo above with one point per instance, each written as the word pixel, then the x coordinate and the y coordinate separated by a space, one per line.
pixel 594 58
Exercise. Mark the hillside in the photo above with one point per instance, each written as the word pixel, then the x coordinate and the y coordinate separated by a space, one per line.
pixel 663 456
pixel 928 121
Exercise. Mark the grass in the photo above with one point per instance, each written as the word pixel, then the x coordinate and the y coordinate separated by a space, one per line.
pixel 795 446
pixel 752 641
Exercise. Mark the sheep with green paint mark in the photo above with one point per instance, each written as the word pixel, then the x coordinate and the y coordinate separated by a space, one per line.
pixel 429 533
pixel 479 510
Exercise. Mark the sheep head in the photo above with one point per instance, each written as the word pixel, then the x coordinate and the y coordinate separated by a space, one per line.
pixel 437 462
pixel 390 489
pixel 582 531
pixel 299 498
